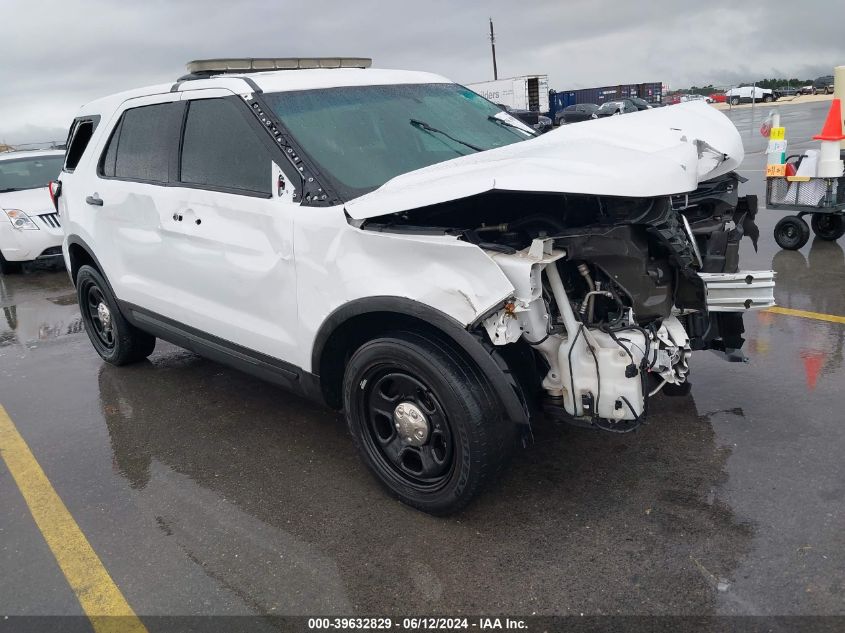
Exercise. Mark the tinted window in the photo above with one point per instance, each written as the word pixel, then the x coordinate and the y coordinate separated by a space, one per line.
pixel 143 142
pixel 107 163
pixel 220 149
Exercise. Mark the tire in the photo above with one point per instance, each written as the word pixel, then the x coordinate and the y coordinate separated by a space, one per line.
pixel 734 100
pixel 7 267
pixel 828 226
pixel 462 441
pixel 767 99
pixel 791 233
pixel 116 340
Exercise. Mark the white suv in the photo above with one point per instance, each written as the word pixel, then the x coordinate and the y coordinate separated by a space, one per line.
pixel 394 245
pixel 29 224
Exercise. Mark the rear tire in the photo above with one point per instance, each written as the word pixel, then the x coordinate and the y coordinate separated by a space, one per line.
pixel 116 340
pixel 791 233
pixel 425 421
pixel 828 226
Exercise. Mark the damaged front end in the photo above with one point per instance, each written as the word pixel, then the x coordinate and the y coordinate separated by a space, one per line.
pixel 617 277
pixel 611 294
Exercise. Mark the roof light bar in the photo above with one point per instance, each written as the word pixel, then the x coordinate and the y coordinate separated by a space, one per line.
pixel 258 64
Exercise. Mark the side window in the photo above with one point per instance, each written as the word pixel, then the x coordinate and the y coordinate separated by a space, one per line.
pixel 140 146
pixel 220 149
pixel 80 134
pixel 107 162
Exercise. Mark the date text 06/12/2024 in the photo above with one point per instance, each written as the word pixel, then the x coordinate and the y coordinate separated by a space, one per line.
pixel 416 624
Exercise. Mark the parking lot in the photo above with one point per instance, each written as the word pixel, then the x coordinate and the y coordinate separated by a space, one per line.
pixel 205 491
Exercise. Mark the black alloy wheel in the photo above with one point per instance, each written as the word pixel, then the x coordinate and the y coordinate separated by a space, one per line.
pixel 116 340
pixel 425 421
pixel 828 226
pixel 791 233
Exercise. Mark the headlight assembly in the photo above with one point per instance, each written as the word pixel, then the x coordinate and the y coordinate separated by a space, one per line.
pixel 20 220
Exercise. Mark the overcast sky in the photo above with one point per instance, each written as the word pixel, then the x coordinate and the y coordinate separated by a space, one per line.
pixel 55 56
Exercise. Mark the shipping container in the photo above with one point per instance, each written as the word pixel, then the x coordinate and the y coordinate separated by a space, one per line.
pixel 528 92
pixel 651 92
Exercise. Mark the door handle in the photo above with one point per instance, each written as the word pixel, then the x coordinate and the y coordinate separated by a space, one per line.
pixel 94 200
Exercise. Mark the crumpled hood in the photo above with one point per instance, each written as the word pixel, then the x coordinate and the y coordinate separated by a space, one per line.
pixel 30 201
pixel 651 153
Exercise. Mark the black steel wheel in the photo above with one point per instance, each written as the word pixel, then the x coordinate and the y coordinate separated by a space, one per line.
pixel 425 421
pixel 791 233
pixel 828 226
pixel 408 429
pixel 116 340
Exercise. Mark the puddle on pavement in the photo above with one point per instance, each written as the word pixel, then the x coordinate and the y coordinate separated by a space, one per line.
pixel 32 315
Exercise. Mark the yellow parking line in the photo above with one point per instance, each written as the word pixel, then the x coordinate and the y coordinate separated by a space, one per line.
pixel 804 314
pixel 99 597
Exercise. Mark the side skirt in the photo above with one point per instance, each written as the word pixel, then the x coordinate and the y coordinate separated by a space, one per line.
pixel 214 348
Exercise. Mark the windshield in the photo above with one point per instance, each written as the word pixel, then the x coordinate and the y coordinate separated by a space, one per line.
pixel 29 173
pixel 362 136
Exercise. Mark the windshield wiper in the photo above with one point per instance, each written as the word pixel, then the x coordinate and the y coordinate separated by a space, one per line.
pixel 511 125
pixel 425 126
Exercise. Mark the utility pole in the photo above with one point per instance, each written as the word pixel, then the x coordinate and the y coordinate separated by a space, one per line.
pixel 493 47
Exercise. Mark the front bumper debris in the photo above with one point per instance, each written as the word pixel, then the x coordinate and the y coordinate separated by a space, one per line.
pixel 740 291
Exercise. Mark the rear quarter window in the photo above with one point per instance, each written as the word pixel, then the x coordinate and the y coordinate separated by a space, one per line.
pixel 81 131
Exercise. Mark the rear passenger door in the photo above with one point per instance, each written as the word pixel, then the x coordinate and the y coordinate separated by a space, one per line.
pixel 229 239
pixel 130 196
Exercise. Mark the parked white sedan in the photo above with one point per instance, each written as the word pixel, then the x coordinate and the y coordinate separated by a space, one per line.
pixel 29 224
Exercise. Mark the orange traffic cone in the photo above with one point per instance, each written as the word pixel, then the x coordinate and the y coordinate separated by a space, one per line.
pixel 832 130
pixel 830 165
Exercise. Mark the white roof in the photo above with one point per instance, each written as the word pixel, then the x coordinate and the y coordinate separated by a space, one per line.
pixel 274 81
pixel 31 153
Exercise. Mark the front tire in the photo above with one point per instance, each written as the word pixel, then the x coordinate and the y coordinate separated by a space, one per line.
pixel 828 226
pixel 734 100
pixel 767 99
pixel 425 421
pixel 116 340
pixel 791 233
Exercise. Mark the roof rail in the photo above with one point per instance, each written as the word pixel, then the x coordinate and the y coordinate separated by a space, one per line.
pixel 200 68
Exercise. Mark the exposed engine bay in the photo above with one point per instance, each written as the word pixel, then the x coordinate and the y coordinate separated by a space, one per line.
pixel 611 294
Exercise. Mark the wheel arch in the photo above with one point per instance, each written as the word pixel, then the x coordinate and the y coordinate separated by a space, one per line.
pixel 80 254
pixel 356 322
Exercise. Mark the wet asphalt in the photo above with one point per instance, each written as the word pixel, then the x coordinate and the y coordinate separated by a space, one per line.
pixel 205 491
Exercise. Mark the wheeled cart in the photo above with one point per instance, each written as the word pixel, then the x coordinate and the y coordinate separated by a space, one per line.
pixel 821 198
